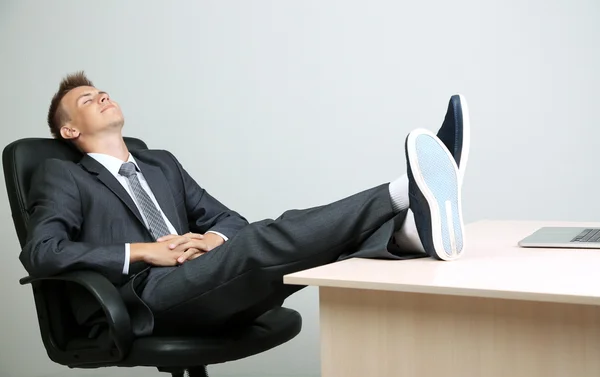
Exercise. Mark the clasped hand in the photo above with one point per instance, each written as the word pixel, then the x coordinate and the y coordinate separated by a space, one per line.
pixel 175 249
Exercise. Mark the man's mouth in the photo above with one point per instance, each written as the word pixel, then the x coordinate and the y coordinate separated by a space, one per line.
pixel 107 107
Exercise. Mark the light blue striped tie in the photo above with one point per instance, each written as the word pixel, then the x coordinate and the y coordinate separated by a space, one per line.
pixel 156 223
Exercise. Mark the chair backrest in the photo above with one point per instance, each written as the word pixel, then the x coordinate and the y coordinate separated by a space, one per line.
pixel 20 159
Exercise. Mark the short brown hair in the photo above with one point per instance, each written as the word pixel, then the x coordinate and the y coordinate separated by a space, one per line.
pixel 57 116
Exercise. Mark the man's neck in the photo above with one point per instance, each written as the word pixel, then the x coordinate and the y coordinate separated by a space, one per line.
pixel 113 147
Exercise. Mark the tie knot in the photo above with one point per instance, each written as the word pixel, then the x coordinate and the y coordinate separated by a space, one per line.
pixel 127 169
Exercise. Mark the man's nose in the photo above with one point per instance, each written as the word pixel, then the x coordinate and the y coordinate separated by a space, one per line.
pixel 103 98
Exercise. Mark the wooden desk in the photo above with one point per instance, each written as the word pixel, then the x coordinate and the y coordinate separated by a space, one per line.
pixel 499 311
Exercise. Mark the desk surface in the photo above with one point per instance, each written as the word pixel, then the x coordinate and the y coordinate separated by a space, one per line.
pixel 492 266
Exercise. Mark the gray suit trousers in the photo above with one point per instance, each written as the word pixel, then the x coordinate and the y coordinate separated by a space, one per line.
pixel 243 278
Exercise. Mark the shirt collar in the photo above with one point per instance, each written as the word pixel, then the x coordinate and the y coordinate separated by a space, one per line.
pixel 111 163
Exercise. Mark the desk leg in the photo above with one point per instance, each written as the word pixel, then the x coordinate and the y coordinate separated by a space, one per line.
pixel 395 334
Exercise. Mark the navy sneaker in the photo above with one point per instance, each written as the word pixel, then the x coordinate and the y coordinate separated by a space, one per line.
pixel 435 195
pixel 455 132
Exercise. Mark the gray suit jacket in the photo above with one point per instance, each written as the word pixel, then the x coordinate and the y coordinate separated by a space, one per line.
pixel 81 217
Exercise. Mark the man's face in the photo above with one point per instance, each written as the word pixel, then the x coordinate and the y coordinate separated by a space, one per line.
pixel 90 111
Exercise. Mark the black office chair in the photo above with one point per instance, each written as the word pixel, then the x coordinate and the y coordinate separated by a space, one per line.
pixel 68 344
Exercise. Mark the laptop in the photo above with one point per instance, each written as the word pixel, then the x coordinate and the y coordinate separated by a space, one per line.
pixel 563 237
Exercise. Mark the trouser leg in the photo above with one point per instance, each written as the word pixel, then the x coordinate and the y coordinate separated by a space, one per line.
pixel 247 270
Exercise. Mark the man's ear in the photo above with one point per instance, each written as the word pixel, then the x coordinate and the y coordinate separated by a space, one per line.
pixel 68 132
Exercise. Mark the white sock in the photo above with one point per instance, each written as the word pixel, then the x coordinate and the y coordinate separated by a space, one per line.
pixel 399 193
pixel 408 236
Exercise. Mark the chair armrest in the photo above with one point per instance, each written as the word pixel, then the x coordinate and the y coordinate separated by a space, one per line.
pixel 109 299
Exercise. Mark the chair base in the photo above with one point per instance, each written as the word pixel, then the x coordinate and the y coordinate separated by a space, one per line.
pixel 191 372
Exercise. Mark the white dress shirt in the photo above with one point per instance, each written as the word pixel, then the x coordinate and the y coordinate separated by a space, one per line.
pixel 113 164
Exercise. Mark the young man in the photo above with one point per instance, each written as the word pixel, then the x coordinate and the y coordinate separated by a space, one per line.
pixel 182 259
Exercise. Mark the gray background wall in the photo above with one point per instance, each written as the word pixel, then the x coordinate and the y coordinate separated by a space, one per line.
pixel 277 104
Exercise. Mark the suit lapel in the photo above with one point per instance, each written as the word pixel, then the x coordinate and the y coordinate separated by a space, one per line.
pixel 160 188
pixel 111 182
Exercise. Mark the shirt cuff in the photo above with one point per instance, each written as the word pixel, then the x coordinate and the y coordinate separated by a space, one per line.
pixel 219 234
pixel 127 256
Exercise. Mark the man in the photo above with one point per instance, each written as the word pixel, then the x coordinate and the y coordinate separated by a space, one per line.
pixel 182 259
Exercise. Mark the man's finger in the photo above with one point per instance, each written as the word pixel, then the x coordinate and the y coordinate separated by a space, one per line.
pixel 167 237
pixel 197 255
pixel 188 254
pixel 194 244
pixel 199 244
pixel 195 236
pixel 180 240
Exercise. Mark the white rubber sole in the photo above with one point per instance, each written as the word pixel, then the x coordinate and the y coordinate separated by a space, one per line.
pixel 466 143
pixel 450 227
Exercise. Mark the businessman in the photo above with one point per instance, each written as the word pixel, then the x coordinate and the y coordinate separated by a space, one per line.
pixel 181 259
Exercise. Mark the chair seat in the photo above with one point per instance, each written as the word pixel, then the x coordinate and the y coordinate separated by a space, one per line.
pixel 273 328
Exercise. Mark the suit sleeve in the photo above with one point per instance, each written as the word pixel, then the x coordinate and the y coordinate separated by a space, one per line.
pixel 204 212
pixel 55 219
